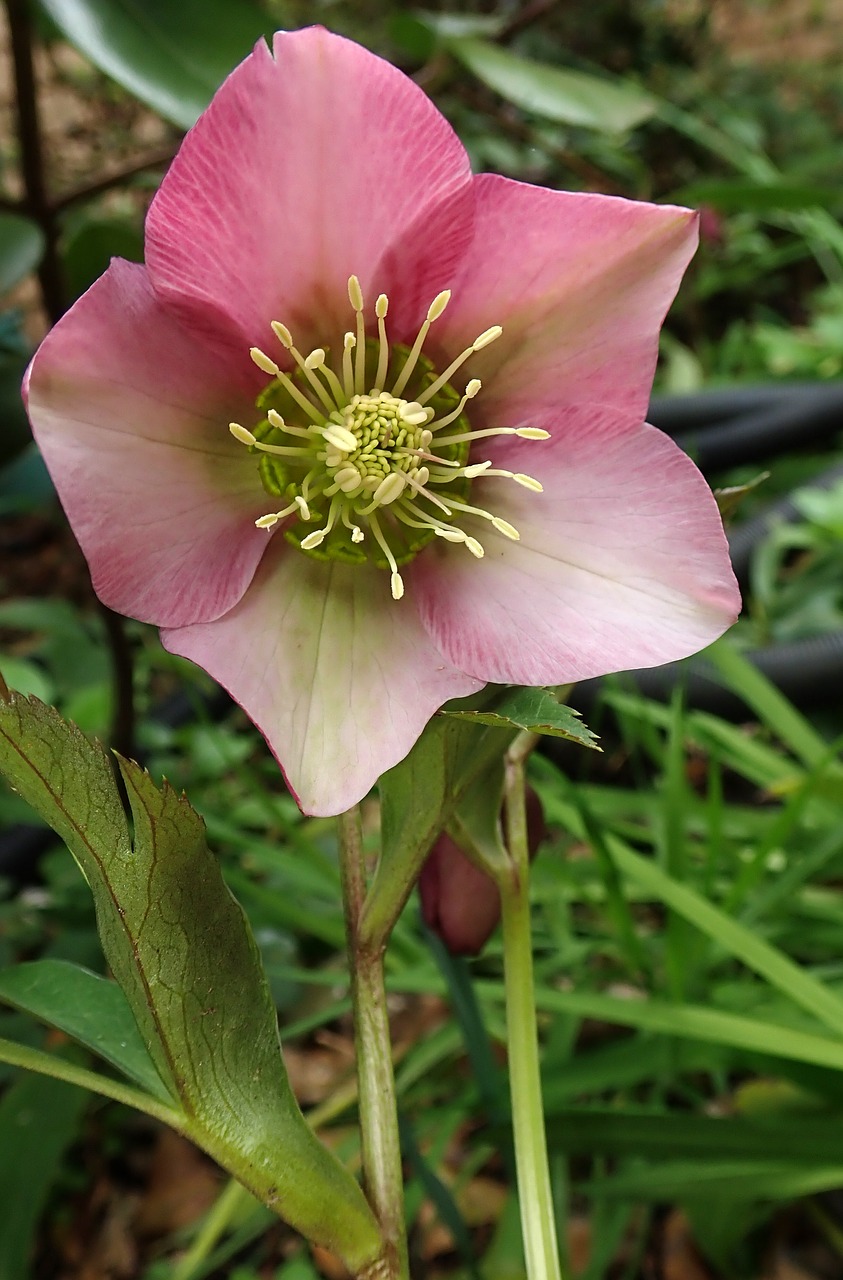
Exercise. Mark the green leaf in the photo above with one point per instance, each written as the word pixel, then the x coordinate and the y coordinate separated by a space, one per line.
pixel 771 706
pixel 534 709
pixel 180 947
pixel 39 1118
pixel 460 25
pixel 696 1022
pixel 21 246
pixel 171 56
pixel 88 250
pixel 87 1007
pixel 569 97
pixel 26 676
pixel 741 195
pixel 795 1139
pixel 744 1180
pixel 779 970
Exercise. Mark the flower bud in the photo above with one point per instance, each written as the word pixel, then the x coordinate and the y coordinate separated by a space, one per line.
pixel 461 903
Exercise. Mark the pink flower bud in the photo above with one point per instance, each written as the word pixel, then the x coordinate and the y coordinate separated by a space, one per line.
pixel 460 902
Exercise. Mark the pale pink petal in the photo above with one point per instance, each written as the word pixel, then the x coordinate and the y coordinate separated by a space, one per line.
pixel 131 415
pixel 580 284
pixel 322 163
pixel 339 677
pixel 622 561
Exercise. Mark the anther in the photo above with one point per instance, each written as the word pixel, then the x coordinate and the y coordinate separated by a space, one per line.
pixel 532 433
pixel 355 293
pixel 282 333
pixel 340 437
pixel 355 297
pixel 390 488
pixel 487 336
pixel 381 308
pixel 504 527
pixel 263 362
pixel 241 434
pixel 438 305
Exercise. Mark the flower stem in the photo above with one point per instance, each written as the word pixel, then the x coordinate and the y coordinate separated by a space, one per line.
pixel 380 1144
pixel 538 1225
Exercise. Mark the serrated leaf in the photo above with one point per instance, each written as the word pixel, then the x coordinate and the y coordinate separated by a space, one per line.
pixel 569 97
pixel 171 56
pixel 181 949
pixel 87 1007
pixel 536 710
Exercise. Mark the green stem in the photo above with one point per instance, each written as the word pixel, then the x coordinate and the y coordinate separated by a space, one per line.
pixel 218 1220
pixel 49 1064
pixel 380 1144
pixel 538 1225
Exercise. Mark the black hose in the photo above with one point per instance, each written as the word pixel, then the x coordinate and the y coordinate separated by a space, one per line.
pixel 792 421
pixel 804 670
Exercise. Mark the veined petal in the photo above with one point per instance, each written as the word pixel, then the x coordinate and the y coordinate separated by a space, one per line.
pixel 622 561
pixel 131 415
pixel 581 296
pixel 339 678
pixel 320 163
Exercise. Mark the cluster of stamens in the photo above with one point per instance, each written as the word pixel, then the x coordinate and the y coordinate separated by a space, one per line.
pixel 364 464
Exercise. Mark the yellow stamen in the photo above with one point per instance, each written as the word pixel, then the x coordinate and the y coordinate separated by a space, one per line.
pixel 355 297
pixel 489 335
pixel 348 344
pixel 396 582
pixel 381 308
pixel 434 311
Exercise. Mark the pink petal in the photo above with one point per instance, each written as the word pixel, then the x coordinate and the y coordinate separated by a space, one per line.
pixel 304 170
pixel 339 678
pixel 131 415
pixel 580 284
pixel 622 561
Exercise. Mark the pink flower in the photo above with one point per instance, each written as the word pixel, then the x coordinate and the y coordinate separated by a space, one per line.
pixel 322 190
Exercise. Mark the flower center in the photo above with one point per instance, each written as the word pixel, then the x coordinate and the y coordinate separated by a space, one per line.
pixel 372 475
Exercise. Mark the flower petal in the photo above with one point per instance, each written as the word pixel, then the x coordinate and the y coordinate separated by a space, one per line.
pixel 304 170
pixel 339 678
pixel 131 415
pixel 581 297
pixel 622 561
